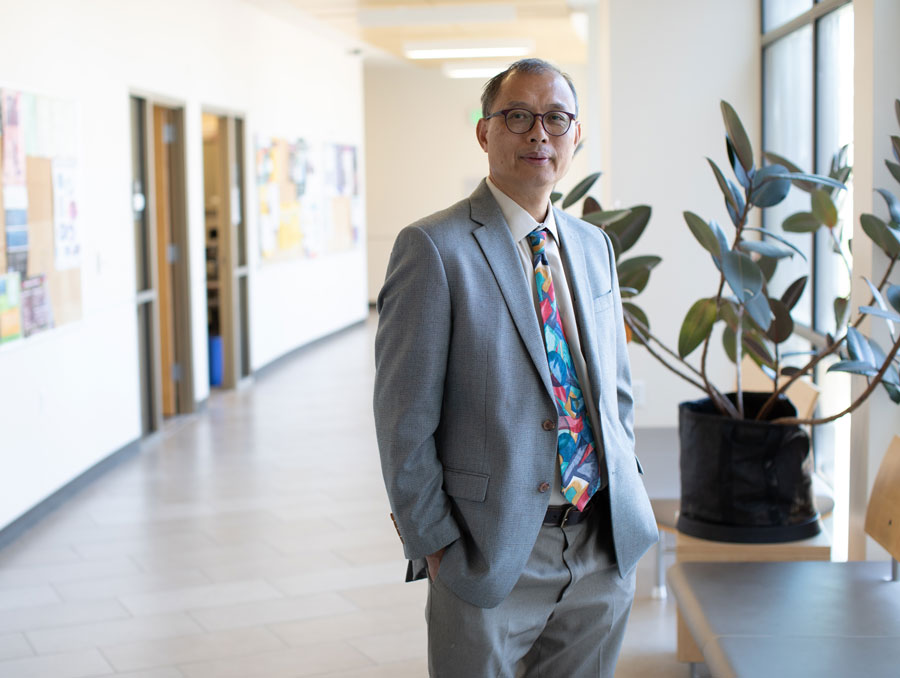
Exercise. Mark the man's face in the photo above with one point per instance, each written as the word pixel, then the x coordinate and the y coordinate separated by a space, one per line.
pixel 530 164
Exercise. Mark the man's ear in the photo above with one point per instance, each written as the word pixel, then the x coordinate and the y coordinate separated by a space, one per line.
pixel 481 134
pixel 577 134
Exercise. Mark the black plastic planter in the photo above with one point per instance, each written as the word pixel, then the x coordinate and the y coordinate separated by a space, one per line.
pixel 742 480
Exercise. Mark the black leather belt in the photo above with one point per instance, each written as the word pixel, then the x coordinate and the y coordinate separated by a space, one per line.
pixel 560 516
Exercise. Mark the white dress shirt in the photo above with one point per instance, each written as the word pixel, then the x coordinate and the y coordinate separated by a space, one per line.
pixel 521 223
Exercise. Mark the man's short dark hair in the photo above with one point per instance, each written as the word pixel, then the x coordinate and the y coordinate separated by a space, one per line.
pixel 536 66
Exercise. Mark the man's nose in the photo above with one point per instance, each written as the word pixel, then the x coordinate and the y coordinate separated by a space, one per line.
pixel 537 133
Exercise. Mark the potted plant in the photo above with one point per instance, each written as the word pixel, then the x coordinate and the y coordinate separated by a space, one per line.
pixel 745 463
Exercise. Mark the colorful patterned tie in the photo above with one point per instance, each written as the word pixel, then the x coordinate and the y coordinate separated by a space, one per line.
pixel 578 461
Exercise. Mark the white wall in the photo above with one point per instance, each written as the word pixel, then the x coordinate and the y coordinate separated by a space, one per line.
pixel 422 152
pixel 665 69
pixel 69 397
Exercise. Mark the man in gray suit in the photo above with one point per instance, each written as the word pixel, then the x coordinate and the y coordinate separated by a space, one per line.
pixel 503 409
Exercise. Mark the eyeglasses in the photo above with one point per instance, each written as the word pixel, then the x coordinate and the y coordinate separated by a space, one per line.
pixel 520 121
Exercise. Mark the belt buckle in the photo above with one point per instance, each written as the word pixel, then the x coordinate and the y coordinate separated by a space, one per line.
pixel 565 517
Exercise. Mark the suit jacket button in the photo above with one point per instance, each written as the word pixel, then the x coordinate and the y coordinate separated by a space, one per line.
pixel 543 487
pixel 548 425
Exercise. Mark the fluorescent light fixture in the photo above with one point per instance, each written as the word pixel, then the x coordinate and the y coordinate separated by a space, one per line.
pixel 437 16
pixel 482 71
pixel 467 49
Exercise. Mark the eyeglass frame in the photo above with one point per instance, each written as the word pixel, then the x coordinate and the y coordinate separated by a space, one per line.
pixel 505 112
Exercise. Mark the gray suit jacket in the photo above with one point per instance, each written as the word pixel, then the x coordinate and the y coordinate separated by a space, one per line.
pixel 462 389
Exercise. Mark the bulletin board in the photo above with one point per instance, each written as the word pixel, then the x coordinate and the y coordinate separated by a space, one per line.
pixel 308 197
pixel 40 239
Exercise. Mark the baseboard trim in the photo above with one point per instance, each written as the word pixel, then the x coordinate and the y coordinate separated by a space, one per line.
pixel 274 365
pixel 38 512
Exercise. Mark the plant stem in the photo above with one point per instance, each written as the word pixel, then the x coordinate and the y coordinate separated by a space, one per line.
pixel 739 356
pixel 645 335
pixel 877 379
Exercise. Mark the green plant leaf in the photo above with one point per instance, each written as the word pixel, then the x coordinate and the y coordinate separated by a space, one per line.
pixel 854 367
pixel 894 169
pixel 704 233
pixel 880 234
pixel 739 171
pixel 767 265
pixel 580 189
pixel 617 246
pixel 789 371
pixel 742 274
pixel 879 300
pixel 697 325
pixel 554 197
pixel 823 208
pixel 797 177
pixel 636 272
pixel 892 203
pixel 782 326
pixel 605 217
pixel 638 313
pixel 729 343
pixel 841 304
pixel 769 186
pixel 776 159
pixel 769 234
pixel 630 228
pixel 793 293
pixel 897 109
pixel 801 222
pixel 756 349
pixel 736 212
pixel 738 136
pixel 858 347
pixel 892 294
pixel 764 248
pixel 880 312
pixel 891 375
pixel 893 392
pixel 759 310
pixel 723 185
pixel 895 143
pixel 589 205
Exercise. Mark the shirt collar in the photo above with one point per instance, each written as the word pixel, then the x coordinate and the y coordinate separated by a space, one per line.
pixel 520 222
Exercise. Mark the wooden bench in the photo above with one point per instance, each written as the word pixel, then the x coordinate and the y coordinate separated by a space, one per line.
pixel 790 619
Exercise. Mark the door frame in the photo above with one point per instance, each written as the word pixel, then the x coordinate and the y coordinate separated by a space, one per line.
pixel 183 341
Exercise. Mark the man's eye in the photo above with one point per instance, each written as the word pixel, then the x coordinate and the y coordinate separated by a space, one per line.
pixel 518 115
pixel 556 117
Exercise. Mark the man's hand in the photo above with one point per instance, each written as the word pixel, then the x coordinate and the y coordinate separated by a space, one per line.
pixel 434 563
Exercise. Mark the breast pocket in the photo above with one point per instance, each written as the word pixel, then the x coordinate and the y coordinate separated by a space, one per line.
pixel 603 302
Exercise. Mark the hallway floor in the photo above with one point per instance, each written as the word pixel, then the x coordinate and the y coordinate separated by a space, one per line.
pixel 220 551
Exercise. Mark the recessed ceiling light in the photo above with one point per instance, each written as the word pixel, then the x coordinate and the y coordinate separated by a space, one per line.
pixel 467 49
pixel 471 71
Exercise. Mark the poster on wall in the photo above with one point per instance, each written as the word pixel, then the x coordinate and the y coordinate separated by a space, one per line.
pixel 40 238
pixel 308 197
pixel 67 245
pixel 10 311
pixel 15 192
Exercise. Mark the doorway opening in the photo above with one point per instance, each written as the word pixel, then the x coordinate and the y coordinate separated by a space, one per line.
pixel 227 295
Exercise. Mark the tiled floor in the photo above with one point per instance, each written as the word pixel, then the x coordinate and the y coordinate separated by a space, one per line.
pixel 219 551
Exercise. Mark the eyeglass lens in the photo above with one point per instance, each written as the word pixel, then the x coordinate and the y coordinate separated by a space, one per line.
pixel 519 121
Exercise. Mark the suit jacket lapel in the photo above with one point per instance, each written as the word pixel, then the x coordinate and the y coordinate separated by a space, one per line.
pixel 499 249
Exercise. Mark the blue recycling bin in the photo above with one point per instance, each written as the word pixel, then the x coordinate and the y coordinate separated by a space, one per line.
pixel 216 361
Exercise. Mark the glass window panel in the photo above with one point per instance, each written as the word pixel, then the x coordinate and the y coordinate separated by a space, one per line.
pixel 788 131
pixel 778 12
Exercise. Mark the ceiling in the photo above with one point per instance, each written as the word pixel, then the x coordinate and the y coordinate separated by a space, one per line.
pixel 388 24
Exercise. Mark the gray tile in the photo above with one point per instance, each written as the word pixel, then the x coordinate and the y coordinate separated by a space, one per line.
pixel 339 579
pixel 68 665
pixel 274 568
pixel 388 595
pixel 60 614
pixel 157 543
pixel 29 596
pixel 116 632
pixel 292 663
pixel 388 648
pixel 23 554
pixel 273 611
pixel 143 582
pixel 416 668
pixel 61 573
pixel 202 556
pixel 220 646
pixel 195 597
pixel 356 624
pixel 166 672
pixel 14 646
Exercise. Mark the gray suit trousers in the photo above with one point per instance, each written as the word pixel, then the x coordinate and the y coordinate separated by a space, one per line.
pixel 565 616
